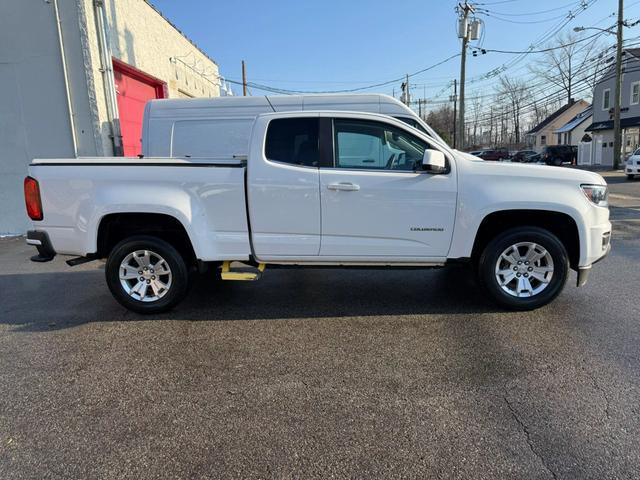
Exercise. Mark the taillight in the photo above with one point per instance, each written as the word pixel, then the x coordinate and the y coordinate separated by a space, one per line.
pixel 32 198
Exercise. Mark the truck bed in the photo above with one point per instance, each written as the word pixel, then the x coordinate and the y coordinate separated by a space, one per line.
pixel 207 196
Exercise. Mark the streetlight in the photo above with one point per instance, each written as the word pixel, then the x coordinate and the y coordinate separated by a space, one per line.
pixel 582 29
pixel 617 131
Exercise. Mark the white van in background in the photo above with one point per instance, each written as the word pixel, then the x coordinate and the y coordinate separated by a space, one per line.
pixel 178 127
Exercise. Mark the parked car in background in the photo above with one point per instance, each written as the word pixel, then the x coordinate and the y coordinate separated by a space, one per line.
pixel 632 168
pixel 523 156
pixel 496 154
pixel 559 154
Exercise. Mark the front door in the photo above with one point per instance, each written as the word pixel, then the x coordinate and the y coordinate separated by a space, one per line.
pixel 377 202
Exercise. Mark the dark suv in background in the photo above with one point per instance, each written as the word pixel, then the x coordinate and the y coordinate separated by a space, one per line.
pixel 559 154
pixel 495 154
pixel 524 156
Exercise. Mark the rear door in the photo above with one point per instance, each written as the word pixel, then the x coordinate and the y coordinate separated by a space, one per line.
pixel 284 188
pixel 377 202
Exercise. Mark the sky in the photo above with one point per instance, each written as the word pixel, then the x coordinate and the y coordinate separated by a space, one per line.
pixel 327 45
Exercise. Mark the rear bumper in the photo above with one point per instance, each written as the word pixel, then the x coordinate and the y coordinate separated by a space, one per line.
pixel 41 241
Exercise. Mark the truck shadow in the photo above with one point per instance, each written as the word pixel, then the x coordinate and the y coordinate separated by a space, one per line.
pixel 46 301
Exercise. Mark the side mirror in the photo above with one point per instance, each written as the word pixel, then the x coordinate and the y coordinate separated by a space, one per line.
pixel 434 161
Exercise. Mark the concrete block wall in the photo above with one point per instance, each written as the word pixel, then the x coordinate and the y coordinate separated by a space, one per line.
pixel 141 37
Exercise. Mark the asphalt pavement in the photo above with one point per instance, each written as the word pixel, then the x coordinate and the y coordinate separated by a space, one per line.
pixel 322 373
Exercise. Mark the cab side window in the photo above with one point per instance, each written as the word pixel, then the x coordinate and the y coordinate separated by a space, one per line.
pixel 364 144
pixel 293 141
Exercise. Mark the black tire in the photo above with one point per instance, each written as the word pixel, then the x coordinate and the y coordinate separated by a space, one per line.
pixel 557 162
pixel 179 274
pixel 630 177
pixel 489 259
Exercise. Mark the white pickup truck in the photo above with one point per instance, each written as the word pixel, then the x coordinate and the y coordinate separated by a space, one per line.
pixel 330 188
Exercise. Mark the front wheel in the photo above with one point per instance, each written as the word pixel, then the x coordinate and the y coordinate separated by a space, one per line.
pixel 524 268
pixel 630 177
pixel 146 274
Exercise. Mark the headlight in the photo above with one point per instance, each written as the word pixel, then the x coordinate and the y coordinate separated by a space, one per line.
pixel 598 194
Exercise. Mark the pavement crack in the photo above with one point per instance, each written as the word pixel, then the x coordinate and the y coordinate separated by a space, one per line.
pixel 604 395
pixel 527 435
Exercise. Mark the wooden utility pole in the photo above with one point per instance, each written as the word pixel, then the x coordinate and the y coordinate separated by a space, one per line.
pixel 464 9
pixel 244 80
pixel 617 131
pixel 454 97
pixel 407 95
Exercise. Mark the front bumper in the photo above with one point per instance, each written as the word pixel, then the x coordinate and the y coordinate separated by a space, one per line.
pixel 632 169
pixel 604 238
pixel 41 241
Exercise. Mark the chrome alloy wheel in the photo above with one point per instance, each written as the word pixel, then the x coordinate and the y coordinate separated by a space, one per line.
pixel 524 269
pixel 145 275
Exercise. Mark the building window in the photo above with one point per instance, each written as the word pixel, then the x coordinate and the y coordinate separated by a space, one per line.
pixel 543 140
pixel 635 93
pixel 606 99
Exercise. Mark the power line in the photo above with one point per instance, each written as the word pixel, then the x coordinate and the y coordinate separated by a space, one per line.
pixel 532 13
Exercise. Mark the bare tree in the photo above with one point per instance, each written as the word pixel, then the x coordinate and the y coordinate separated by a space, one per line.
pixel 567 63
pixel 441 120
pixel 476 113
pixel 513 94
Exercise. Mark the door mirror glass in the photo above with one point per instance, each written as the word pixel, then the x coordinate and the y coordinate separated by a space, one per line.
pixel 434 161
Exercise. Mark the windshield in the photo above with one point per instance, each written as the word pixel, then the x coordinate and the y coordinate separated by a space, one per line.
pixel 415 123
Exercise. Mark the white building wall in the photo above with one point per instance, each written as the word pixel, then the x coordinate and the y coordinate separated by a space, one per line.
pixel 34 114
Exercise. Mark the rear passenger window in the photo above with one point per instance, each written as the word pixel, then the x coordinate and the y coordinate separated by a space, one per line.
pixel 294 141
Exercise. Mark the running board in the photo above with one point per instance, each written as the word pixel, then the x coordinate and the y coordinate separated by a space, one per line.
pixel 244 273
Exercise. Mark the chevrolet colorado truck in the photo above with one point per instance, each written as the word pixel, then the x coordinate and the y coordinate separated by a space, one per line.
pixel 316 188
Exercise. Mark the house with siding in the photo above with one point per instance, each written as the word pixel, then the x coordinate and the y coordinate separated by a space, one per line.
pixel 546 132
pixel 603 100
pixel 574 131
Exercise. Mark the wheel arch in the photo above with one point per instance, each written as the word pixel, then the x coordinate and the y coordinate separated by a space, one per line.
pixel 115 227
pixel 561 224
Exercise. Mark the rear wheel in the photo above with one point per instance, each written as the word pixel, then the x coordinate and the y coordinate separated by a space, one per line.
pixel 146 274
pixel 524 268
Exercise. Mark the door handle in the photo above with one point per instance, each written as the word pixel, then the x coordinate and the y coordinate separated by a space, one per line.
pixel 344 186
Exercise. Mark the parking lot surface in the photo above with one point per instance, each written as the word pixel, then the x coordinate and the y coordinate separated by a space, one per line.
pixel 322 373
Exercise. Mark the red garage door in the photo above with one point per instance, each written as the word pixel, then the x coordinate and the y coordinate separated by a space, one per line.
pixel 134 88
